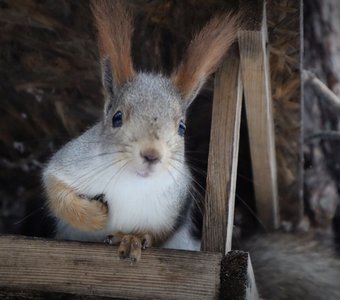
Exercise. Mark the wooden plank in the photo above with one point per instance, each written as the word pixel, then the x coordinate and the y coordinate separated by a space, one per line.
pixel 38 267
pixel 286 43
pixel 258 100
pixel 237 277
pixel 223 158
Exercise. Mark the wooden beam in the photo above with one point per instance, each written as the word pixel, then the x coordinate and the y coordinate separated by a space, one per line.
pixel 237 277
pixel 223 158
pixel 258 100
pixel 41 268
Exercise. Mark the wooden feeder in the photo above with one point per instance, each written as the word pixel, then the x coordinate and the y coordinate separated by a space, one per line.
pixel 255 72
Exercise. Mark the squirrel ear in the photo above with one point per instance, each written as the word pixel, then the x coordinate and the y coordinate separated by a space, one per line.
pixel 204 54
pixel 115 29
pixel 107 80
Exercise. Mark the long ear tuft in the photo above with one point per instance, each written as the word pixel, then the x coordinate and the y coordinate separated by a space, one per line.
pixel 204 54
pixel 115 30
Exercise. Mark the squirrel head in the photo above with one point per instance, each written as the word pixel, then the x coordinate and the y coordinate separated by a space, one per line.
pixel 145 113
pixel 145 120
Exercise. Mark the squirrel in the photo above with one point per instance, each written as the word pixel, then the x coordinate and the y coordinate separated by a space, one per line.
pixel 125 179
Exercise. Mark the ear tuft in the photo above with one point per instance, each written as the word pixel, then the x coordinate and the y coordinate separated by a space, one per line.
pixel 115 30
pixel 204 54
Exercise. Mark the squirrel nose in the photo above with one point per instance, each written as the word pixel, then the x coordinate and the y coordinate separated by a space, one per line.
pixel 151 156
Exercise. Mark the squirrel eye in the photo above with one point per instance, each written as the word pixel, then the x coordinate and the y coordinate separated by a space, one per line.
pixel 181 128
pixel 117 119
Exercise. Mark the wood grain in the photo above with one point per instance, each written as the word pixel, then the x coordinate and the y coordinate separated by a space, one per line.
pixel 31 266
pixel 258 100
pixel 223 158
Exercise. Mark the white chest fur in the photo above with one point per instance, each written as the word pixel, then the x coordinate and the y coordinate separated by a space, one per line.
pixel 135 203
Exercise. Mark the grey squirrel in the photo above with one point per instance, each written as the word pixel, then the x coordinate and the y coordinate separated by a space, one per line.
pixel 125 180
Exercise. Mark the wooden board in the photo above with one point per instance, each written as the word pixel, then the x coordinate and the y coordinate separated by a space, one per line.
pixel 258 100
pixel 34 267
pixel 223 158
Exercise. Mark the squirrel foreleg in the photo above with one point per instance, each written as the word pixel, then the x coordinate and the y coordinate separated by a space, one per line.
pixel 76 210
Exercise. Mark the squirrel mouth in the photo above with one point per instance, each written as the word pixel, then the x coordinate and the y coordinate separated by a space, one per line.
pixel 144 173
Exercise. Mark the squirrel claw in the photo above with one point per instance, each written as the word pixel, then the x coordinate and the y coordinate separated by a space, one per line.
pixel 136 249
pixel 109 240
pixel 131 246
pixel 124 247
pixel 146 241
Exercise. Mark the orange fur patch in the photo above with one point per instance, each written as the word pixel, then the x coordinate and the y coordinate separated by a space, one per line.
pixel 204 53
pixel 115 29
pixel 81 213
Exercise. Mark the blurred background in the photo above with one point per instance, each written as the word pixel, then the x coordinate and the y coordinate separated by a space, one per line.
pixel 50 92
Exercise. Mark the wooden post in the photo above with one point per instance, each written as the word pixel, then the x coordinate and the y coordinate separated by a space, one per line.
pixel 258 100
pixel 223 158
pixel 237 277
pixel 37 268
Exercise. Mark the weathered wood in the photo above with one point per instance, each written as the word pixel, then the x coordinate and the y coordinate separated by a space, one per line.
pixel 258 100
pixel 237 277
pixel 223 158
pixel 38 267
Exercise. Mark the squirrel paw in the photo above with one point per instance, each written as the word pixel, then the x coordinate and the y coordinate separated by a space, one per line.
pixel 130 246
pixel 92 213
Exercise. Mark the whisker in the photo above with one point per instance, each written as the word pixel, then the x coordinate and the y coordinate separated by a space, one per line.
pixel 245 178
pixel 30 214
pixel 192 195
pixel 252 212
pixel 191 179
pixel 120 170
pixel 85 179
pixel 195 169
pixel 71 162
pixel 99 171
pixel 189 176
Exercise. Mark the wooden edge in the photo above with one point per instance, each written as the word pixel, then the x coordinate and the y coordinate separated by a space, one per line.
pixel 233 173
pixel 237 277
pixel 38 267
pixel 258 100
pixel 300 160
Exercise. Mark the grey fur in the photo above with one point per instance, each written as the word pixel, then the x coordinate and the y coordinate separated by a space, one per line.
pixel 153 109
pixel 150 95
